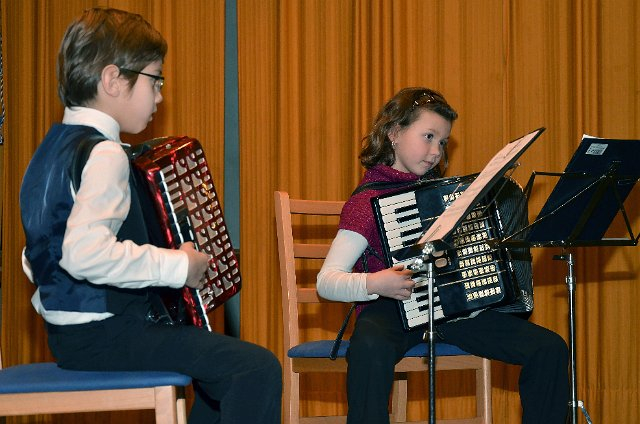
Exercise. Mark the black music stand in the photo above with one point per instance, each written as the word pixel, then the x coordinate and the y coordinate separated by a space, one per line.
pixel 588 196
pixel 433 241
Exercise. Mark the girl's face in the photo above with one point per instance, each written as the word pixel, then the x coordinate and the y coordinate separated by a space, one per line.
pixel 419 147
pixel 142 101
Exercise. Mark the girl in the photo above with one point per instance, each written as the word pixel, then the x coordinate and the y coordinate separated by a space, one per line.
pixel 407 141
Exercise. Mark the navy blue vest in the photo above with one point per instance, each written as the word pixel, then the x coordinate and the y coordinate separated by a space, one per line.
pixel 45 205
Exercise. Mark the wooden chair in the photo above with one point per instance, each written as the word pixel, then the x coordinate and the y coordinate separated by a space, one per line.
pixel 313 356
pixel 44 388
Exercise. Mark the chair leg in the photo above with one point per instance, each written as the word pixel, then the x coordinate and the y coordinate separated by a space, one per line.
pixel 399 398
pixel 291 397
pixel 181 405
pixel 483 391
pixel 166 406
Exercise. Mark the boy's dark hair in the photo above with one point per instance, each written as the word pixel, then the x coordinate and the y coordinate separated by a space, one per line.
pixel 101 37
pixel 401 110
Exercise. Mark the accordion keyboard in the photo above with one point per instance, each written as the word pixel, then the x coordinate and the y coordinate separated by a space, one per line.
pixel 403 227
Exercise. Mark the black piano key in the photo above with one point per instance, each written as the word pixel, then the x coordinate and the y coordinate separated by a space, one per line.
pixel 403 209
pixel 408 218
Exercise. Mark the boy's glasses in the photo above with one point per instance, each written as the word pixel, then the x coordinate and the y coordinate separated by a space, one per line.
pixel 158 81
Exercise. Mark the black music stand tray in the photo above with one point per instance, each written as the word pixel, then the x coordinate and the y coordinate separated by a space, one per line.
pixel 588 196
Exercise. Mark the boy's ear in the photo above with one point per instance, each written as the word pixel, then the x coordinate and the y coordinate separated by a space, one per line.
pixel 110 80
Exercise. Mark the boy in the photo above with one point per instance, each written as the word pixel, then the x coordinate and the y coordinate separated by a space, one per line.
pixel 91 263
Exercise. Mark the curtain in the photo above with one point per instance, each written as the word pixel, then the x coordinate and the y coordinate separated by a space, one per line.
pixel 314 73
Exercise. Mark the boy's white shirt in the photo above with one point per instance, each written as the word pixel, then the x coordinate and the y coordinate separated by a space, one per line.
pixel 336 281
pixel 90 250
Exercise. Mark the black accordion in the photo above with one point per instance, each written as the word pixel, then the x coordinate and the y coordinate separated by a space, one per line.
pixel 471 275
pixel 177 187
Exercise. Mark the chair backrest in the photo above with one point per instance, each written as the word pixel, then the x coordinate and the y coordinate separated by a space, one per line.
pixel 296 216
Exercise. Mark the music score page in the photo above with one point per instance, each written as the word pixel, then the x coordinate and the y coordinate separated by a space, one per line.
pixel 495 169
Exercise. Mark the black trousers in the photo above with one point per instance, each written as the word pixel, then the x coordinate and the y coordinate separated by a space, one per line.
pixel 234 381
pixel 379 342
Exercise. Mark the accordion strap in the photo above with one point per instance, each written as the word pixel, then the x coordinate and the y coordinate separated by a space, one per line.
pixel 382 185
pixel 336 344
pixel 80 157
pixel 388 185
pixel 338 341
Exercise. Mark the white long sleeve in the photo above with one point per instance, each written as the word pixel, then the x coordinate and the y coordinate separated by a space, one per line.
pixel 336 281
pixel 90 249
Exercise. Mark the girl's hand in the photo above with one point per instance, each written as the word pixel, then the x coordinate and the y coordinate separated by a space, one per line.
pixel 394 282
pixel 198 263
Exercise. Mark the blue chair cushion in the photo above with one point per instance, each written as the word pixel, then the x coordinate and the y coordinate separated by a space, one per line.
pixel 48 377
pixel 322 349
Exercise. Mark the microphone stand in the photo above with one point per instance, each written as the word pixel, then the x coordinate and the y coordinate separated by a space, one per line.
pixel 574 402
pixel 425 263
pixel 430 336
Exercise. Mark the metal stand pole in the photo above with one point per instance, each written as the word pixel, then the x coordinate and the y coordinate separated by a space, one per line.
pixel 432 342
pixel 425 263
pixel 574 403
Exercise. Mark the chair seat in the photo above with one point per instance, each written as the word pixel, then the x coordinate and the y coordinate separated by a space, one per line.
pixel 48 377
pixel 322 349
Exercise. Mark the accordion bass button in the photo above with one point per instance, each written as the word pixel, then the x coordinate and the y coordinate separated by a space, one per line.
pixel 441 262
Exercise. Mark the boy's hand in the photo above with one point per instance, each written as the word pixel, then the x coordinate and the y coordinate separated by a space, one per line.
pixel 394 282
pixel 198 263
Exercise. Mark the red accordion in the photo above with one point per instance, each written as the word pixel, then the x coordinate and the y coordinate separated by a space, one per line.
pixel 177 179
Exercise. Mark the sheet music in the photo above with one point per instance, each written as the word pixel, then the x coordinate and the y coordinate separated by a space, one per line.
pixel 495 169
pixel 589 195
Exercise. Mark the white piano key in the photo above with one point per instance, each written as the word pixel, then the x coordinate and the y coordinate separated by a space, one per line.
pixel 414 313
pixel 403 197
pixel 413 303
pixel 401 206
pixel 423 319
pixel 396 228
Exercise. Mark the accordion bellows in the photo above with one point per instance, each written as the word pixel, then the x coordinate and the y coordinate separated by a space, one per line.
pixel 181 190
